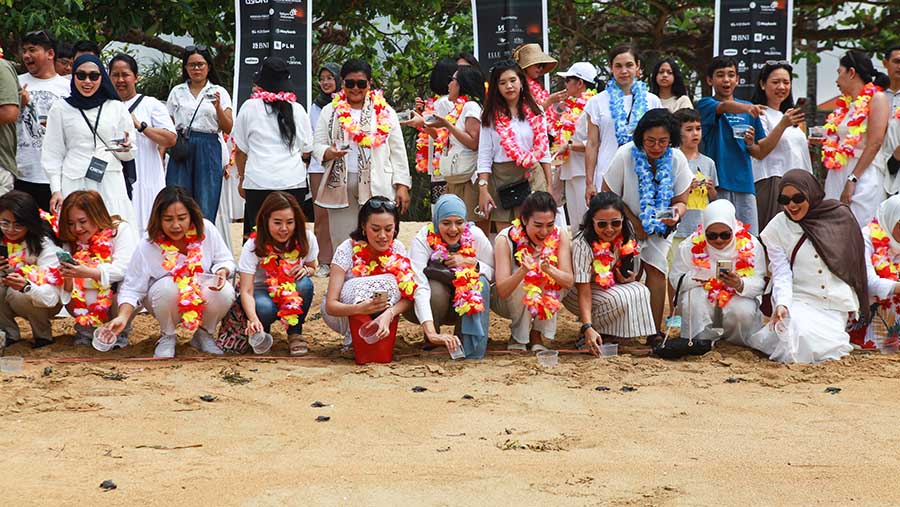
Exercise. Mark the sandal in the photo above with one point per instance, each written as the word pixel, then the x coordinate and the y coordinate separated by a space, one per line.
pixel 298 346
pixel 538 347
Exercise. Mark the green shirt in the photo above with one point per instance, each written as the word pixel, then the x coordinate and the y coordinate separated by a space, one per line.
pixel 9 94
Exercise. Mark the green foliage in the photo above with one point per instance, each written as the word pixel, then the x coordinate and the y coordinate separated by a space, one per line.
pixel 158 79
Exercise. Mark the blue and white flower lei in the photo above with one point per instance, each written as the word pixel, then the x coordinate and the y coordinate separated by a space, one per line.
pixel 617 108
pixel 656 194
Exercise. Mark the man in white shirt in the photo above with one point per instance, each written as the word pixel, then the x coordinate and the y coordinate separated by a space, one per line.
pixel 41 87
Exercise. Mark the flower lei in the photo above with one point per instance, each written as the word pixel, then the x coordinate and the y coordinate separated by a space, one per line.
pixel 467 283
pixel 881 260
pixel 351 126
pixel 541 290
pixel 523 159
pixel 281 286
pixel 51 219
pixel 538 93
pixel 19 263
pixel 274 97
pixel 897 113
pixel 716 291
pixel 604 257
pixel 564 126
pixel 98 250
pixel 365 264
pixel 836 154
pixel 621 120
pixel 190 299
pixel 656 194
pixel 441 142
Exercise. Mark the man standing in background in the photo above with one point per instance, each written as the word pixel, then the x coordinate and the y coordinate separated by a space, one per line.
pixel 9 115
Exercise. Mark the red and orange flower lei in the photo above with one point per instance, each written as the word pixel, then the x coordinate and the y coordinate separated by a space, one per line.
pixel 352 127
pixel 529 159
pixel 281 286
pixel 836 154
pixel 365 263
pixel 716 291
pixel 881 260
pixel 27 267
pixel 541 290
pixel 604 258
pixel 467 283
pixel 564 127
pixel 441 142
pixel 190 298
pixel 98 250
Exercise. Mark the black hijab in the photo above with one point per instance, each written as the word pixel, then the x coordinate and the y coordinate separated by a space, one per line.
pixel 834 233
pixel 323 99
pixel 106 90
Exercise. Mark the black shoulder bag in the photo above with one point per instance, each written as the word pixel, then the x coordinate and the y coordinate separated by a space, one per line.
pixel 182 151
pixel 678 347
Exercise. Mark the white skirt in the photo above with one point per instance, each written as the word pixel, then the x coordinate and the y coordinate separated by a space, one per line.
pixel 655 251
pixel 816 335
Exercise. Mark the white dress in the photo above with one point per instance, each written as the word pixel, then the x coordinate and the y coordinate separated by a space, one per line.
pixel 151 174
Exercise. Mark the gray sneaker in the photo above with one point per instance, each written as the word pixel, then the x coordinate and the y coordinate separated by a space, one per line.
pixel 121 341
pixel 83 339
pixel 323 271
pixel 165 347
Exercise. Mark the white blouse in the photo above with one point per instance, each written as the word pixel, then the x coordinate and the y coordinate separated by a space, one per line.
pixel 146 264
pixel 598 112
pixel 470 109
pixel 248 263
pixel 182 103
pixel 124 243
pixel 791 152
pixel 490 151
pixel 69 142
pixel 683 264
pixel 420 253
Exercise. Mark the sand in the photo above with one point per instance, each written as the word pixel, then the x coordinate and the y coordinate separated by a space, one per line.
pixel 729 428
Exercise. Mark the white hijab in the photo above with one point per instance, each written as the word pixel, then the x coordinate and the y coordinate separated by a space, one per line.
pixel 888 215
pixel 721 211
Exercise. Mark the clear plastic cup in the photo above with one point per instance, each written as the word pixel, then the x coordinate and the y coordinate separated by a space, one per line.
pixel 369 332
pixel 104 339
pixel 459 353
pixel 11 364
pixel 548 358
pixel 609 350
pixel 740 130
pixel 890 346
pixel 261 342
pixel 206 279
pixel 667 212
pixel 783 327
pixel 817 133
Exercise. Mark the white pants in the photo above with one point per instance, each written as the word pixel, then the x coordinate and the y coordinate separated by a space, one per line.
pixel 740 317
pixel 162 302
pixel 575 205
pixel 513 308
pixel 343 221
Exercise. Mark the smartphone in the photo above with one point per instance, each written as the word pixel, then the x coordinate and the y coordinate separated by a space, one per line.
pixel 404 116
pixel 4 251
pixel 65 257
pixel 723 267
pixel 801 102
pixel 380 295
pixel 627 266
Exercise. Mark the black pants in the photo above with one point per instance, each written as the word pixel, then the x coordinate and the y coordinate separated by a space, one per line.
pixel 40 192
pixel 253 202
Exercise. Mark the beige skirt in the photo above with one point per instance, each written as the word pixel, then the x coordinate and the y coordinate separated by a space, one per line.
pixel 504 173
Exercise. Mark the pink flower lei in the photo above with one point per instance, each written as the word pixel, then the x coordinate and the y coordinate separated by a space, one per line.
pixel 270 97
pixel 524 159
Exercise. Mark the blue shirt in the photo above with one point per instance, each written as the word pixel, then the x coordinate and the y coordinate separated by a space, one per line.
pixel 735 170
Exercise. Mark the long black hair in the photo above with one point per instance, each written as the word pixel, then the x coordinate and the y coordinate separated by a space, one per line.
pixel 212 76
pixel 601 201
pixel 495 103
pixel 26 212
pixel 678 88
pixel 375 205
pixel 440 75
pixel 471 83
pixel 862 64
pixel 759 94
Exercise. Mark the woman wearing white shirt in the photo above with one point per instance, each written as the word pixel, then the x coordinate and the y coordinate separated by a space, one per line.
pixel 200 98
pixel 88 136
pixel 155 132
pixel 450 249
pixel 614 114
pixel 167 271
pixel 882 270
pixel 816 257
pixel 273 136
pixel 792 150
pixel 101 246
pixel 513 146
pixel 329 84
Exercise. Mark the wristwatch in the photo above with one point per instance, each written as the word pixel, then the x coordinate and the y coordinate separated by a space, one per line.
pixel 27 288
pixel 482 183
pixel 585 327
pixel 143 127
pixel 852 178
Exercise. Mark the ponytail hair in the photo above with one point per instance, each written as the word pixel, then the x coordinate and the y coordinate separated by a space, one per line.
pixel 862 64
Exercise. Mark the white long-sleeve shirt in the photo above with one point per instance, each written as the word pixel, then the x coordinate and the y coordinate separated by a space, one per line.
pixel 146 264
pixel 420 253
pixel 69 142
pixel 878 287
pixel 124 243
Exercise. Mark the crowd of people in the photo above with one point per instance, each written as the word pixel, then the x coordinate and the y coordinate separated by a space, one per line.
pixel 610 205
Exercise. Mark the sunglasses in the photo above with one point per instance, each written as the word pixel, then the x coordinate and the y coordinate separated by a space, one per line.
pixel 362 84
pixel 379 204
pixel 724 236
pixel 603 224
pixel 199 48
pixel 796 199
pixel 84 76
pixel 40 34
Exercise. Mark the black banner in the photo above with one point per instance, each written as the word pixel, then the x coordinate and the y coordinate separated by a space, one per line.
pixel 266 28
pixel 753 32
pixel 502 25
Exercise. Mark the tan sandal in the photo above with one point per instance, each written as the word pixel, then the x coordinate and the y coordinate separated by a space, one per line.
pixel 298 346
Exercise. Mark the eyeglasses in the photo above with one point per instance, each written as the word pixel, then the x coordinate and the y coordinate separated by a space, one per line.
pixel 84 76
pixel 196 65
pixel 796 199
pixel 40 34
pixel 362 84
pixel 379 204
pixel 603 224
pixel 14 227
pixel 724 236
pixel 662 142
pixel 199 48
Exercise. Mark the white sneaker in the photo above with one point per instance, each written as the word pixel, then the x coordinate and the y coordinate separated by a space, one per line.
pixel 323 271
pixel 204 343
pixel 165 347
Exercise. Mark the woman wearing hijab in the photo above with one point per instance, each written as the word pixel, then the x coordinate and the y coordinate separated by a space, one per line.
pixel 273 135
pixel 455 261
pixel 720 265
pixel 88 137
pixel 883 267
pixel 816 257
pixel 329 84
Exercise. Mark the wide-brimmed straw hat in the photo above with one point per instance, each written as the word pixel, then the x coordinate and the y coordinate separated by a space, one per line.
pixel 527 55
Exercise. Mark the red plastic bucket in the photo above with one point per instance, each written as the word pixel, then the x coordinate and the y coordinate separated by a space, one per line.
pixel 381 351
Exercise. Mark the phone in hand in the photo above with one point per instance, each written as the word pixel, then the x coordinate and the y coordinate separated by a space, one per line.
pixel 626 267
pixel 65 257
pixel 4 251
pixel 380 295
pixel 801 102
pixel 723 267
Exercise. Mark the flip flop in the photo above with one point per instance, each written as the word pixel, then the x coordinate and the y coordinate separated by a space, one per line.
pixel 537 347
pixel 514 345
pixel 299 347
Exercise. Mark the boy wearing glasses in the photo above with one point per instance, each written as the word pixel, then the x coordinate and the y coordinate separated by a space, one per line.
pixel 41 88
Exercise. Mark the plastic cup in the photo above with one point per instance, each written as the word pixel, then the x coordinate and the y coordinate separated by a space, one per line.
pixel 369 332
pixel 817 133
pixel 104 339
pixel 459 353
pixel 404 115
pixel 667 212
pixel 11 364
pixel 548 358
pixel 261 342
pixel 740 130
pixel 609 350
pixel 890 346
pixel 783 327
pixel 206 279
